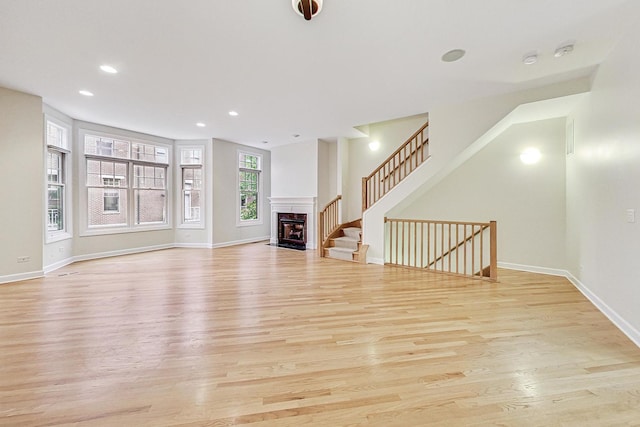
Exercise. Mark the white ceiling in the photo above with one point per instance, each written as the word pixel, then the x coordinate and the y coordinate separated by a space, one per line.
pixel 357 62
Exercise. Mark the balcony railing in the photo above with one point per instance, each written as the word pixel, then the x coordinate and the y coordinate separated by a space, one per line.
pixel 462 248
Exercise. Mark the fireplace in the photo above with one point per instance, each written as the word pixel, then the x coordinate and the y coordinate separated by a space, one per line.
pixel 292 230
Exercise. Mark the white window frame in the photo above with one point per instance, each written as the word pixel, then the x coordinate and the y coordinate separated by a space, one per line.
pixel 259 220
pixel 180 168
pixel 130 226
pixel 63 148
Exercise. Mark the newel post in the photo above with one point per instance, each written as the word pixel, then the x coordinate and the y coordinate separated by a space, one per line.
pixel 493 262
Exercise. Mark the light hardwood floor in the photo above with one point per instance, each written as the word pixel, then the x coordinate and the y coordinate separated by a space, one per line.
pixel 263 336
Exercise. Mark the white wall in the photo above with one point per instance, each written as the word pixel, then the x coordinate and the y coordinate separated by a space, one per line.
pixel 455 133
pixel 22 175
pixel 362 161
pixel 90 246
pixel 603 181
pixel 226 230
pixel 327 171
pixel 295 170
pixel 527 201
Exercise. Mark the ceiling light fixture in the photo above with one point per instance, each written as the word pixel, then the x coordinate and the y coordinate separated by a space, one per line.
pixel 453 55
pixel 563 50
pixel 233 113
pixel 200 125
pixel 530 58
pixel 307 8
pixel 85 92
pixel 108 69
pixel 530 156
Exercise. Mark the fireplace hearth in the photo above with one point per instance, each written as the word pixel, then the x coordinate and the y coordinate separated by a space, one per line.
pixel 292 230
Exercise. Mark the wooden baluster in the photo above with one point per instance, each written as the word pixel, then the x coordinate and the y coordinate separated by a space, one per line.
pixel 415 244
pixel 481 251
pixel 428 244
pixel 458 248
pixel 465 251
pixel 473 249
pixel 449 248
pixel 493 250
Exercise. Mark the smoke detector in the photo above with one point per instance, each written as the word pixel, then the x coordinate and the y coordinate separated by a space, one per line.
pixel 307 8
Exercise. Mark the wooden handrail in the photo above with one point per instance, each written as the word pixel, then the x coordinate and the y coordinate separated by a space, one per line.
pixel 411 138
pixel 394 169
pixel 328 222
pixel 451 247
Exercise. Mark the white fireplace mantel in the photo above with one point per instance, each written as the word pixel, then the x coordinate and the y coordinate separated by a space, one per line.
pixel 305 205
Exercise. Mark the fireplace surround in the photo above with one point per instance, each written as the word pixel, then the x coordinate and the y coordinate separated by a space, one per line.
pixel 287 204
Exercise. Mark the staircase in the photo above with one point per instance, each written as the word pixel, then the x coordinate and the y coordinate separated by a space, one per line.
pixel 347 246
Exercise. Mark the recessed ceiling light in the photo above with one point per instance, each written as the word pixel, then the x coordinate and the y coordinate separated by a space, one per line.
pixel 108 69
pixel 233 113
pixel 563 50
pixel 85 92
pixel 453 55
pixel 200 125
pixel 530 58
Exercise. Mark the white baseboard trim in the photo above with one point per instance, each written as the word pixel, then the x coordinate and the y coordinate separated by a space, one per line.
pixel 193 245
pixel 99 255
pixel 533 269
pixel 632 333
pixel 56 265
pixel 21 276
pixel 241 242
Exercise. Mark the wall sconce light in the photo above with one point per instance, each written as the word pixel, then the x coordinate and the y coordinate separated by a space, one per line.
pixel 374 145
pixel 530 156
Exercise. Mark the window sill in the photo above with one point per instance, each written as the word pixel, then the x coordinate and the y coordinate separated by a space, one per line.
pixel 99 231
pixel 249 223
pixel 191 226
pixel 57 237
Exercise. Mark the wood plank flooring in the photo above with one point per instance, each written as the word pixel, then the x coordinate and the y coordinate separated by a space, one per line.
pixel 264 336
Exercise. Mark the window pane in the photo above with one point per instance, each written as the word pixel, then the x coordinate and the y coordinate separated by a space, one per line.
pixel 107 206
pixel 107 147
pixel 149 177
pixel 56 135
pixel 191 157
pixel 191 205
pixel 191 178
pixel 54 166
pixel 55 211
pixel 149 153
pixel 106 173
pixel 150 206
pixel 247 161
pixel 248 206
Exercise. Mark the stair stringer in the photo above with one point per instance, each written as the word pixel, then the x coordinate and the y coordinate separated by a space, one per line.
pixel 443 162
